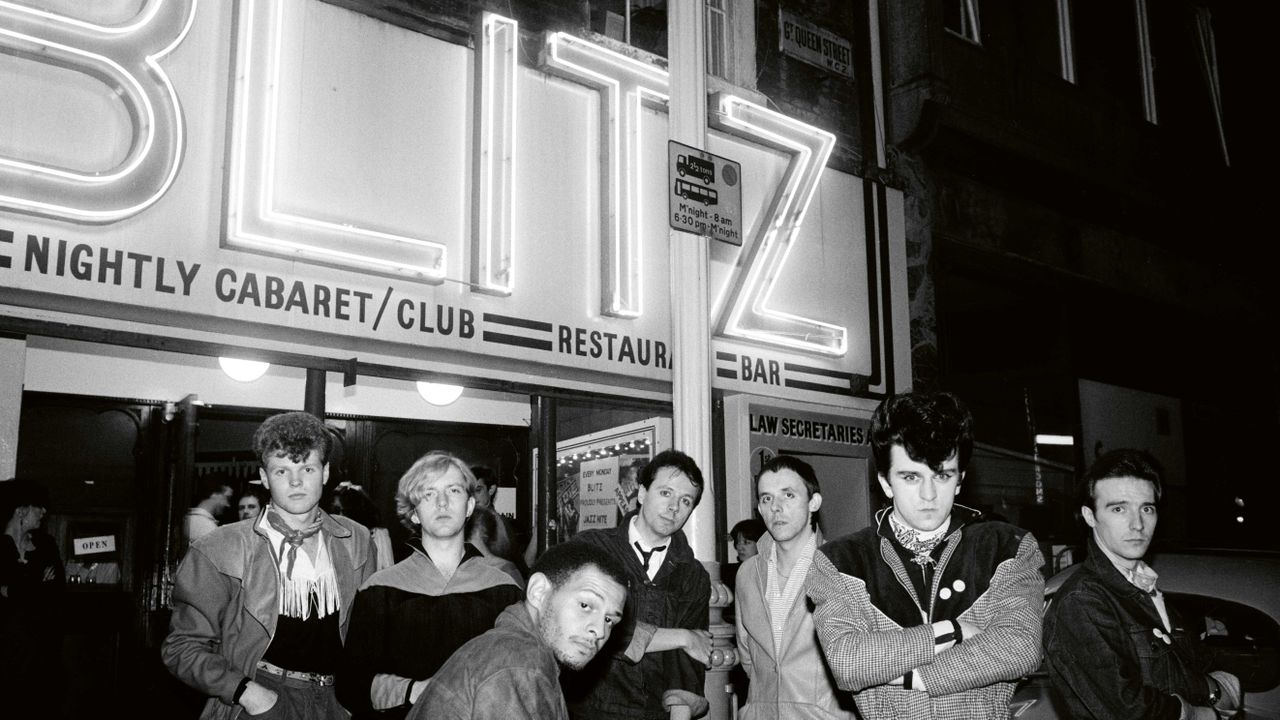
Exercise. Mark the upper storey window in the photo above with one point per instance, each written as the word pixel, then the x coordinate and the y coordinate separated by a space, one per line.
pixel 960 17
pixel 730 32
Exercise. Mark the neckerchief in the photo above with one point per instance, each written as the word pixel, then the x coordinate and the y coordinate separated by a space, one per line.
pixel 293 538
pixel 917 542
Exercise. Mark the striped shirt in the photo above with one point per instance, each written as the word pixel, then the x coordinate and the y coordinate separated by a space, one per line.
pixel 780 593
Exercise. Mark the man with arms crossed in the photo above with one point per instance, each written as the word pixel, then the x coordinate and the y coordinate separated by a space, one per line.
pixel 928 613
pixel 1113 647
pixel 260 609
pixel 512 672
pixel 776 639
pixel 658 657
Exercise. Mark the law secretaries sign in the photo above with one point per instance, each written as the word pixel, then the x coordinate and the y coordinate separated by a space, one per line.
pixel 809 43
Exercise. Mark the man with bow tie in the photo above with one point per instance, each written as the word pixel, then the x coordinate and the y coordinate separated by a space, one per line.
pixel 261 606
pixel 1114 648
pixel 931 612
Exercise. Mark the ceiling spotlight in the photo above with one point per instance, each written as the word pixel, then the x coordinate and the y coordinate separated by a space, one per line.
pixel 439 393
pixel 243 370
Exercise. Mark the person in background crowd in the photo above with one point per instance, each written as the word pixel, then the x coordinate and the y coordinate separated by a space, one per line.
pixel 508 540
pixel 260 609
pixel 352 501
pixel 660 653
pixel 576 596
pixel 1113 647
pixel 928 613
pixel 745 533
pixel 485 533
pixel 409 618
pixel 214 493
pixel 31 585
pixel 777 643
pixel 250 503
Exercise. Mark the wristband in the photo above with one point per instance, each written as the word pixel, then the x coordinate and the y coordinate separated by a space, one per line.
pixel 956 635
pixel 244 685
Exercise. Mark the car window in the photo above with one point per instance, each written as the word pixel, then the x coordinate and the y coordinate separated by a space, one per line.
pixel 1240 639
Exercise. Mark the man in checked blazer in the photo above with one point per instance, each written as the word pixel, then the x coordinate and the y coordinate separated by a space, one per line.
pixel 931 612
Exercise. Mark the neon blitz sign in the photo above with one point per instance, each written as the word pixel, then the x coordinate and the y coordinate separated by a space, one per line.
pixel 127 58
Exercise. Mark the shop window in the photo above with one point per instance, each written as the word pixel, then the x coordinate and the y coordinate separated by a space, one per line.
pixel 599 451
pixel 960 17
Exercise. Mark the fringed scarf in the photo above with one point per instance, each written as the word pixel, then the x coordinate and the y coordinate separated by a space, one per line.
pixel 301 580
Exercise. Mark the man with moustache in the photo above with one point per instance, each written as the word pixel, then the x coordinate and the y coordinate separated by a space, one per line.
pixel 928 613
pixel 512 672
pixel 659 655
pixel 1113 647
pixel 776 639
pixel 260 609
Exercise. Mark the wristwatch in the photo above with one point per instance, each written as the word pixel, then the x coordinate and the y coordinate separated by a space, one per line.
pixel 1215 690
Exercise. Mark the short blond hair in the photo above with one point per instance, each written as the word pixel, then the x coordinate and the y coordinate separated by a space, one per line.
pixel 427 468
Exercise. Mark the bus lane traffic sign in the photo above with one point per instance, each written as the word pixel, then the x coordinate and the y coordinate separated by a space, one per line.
pixel 706 193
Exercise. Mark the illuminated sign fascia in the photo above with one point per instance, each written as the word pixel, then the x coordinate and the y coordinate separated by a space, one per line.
pixel 254 221
pixel 124 59
pixel 625 86
pixel 745 311
pixel 493 208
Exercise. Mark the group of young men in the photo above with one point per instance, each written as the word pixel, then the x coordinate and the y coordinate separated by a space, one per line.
pixel 931 612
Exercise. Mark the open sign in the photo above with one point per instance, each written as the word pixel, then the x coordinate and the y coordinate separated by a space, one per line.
pixel 93 545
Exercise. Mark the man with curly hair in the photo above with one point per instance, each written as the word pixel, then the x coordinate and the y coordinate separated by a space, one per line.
pixel 260 609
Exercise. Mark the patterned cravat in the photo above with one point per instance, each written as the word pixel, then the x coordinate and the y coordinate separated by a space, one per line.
pixel 293 538
pixel 645 554
pixel 910 539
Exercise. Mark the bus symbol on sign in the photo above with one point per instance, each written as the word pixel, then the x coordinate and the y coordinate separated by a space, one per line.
pixel 697 193
pixel 706 193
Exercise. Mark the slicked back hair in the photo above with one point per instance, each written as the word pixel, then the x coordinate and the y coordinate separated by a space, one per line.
pixel 930 427
pixel 1124 462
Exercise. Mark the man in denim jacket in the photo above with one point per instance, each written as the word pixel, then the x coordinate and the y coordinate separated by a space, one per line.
pixel 1113 647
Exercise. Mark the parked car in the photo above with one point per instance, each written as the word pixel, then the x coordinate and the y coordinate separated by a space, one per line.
pixel 1233 596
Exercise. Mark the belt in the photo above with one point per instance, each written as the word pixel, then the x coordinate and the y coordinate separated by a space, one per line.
pixel 317 678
